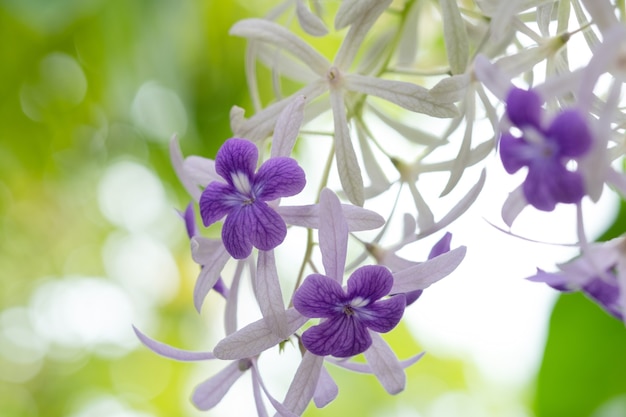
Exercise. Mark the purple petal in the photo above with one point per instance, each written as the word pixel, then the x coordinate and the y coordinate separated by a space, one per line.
pixel 551 183
pixel 189 217
pixel 236 156
pixel 570 130
pixel 236 232
pixel 341 336
pixel 515 153
pixel 606 294
pixel 370 282
pixel 268 229
pixel 319 297
pixel 442 246
pixel 412 296
pixel 384 315
pixel 278 177
pixel 209 393
pixel 216 201
pixel 523 107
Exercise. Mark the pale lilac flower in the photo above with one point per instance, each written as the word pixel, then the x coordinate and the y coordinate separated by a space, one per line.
pixel 348 315
pixel 545 151
pixel 600 273
pixel 250 221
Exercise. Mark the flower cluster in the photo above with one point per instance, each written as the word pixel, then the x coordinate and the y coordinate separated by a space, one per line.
pixel 565 131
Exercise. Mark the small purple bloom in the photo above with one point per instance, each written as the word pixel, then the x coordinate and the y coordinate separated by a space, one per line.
pixel 545 151
pixel 250 221
pixel 348 316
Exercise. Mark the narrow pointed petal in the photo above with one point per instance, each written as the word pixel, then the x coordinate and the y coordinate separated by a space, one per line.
pixel 311 23
pixel 455 36
pixel 442 246
pixel 384 315
pixel 357 218
pixel 288 127
pixel 230 312
pixel 170 352
pixel 333 235
pixel 347 164
pixel 255 338
pixel 326 390
pixel 602 13
pixel 216 201
pixel 385 365
pixel 278 177
pixel 256 390
pixel 318 296
pixel 304 382
pixel 273 33
pixel 407 95
pixel 341 336
pixel 451 89
pixel 282 410
pixel 370 282
pixel 201 170
pixel 492 77
pixel 176 157
pixel 513 206
pixel 423 275
pixel 361 16
pixel 209 274
pixel 269 295
pixel 365 368
pixel 209 393
pixel 235 157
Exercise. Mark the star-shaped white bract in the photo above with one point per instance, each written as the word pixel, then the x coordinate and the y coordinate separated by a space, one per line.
pixel 250 221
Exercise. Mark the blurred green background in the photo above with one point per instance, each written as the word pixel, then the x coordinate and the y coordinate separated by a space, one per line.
pixel 90 93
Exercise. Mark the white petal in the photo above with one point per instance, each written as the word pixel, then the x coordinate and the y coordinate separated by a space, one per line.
pixel 255 338
pixel 358 218
pixel 407 95
pixel 310 22
pixel 408 132
pixel 450 89
pixel 385 365
pixel 602 13
pixel 209 393
pixel 333 235
pixel 271 32
pixel 170 352
pixel 492 77
pixel 361 15
pixel 455 36
pixel 421 276
pixel 408 42
pixel 347 165
pixel 326 390
pixel 288 127
pixel 270 296
pixel 378 179
pixel 176 157
pixel 304 382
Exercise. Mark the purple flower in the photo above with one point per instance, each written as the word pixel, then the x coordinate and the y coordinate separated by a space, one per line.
pixel 349 316
pixel 250 221
pixel 545 151
pixel 600 273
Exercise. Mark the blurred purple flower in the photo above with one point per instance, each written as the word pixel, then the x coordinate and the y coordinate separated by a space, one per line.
pixel 600 273
pixel 545 151
pixel 349 316
pixel 250 221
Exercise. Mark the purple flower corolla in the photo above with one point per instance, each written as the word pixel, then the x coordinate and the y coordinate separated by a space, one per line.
pixel 250 221
pixel 545 151
pixel 600 273
pixel 348 316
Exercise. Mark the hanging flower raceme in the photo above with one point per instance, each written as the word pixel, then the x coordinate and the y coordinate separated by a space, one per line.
pixel 348 315
pixel 243 198
pixel 546 151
